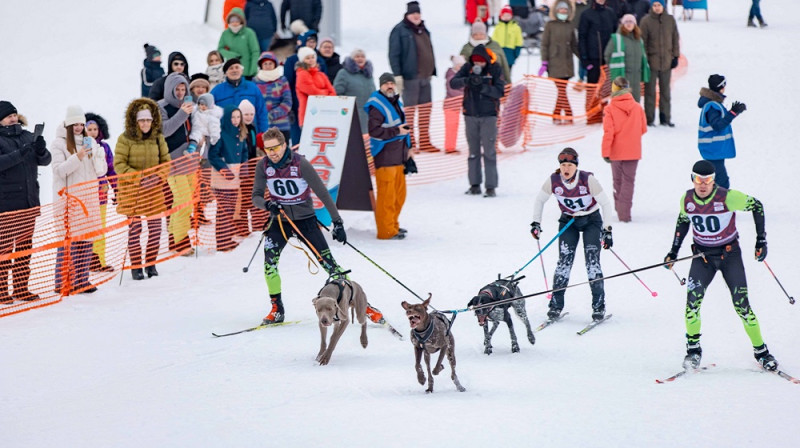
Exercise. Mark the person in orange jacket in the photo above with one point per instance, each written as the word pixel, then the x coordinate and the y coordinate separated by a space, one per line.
pixel 310 80
pixel 624 124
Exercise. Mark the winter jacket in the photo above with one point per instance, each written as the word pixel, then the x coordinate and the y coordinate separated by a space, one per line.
pixel 310 81
pixel 278 98
pixel 467 49
pixel 509 36
pixel 175 122
pixel 333 65
pixel 136 152
pixel 477 10
pixel 68 171
pixel 157 89
pixel 150 73
pixel 559 43
pixel 624 124
pixel 639 8
pixel 243 45
pixel 626 57
pixel 206 125
pixel 482 92
pixel 233 93
pixel 261 18
pixel 594 30
pixel 450 91
pixel 661 40
pixel 309 11
pixel 403 54
pixel 19 162
pixel 229 152
pixel 356 81
pixel 715 133
pixel 386 115
pixel 290 64
pixel 215 74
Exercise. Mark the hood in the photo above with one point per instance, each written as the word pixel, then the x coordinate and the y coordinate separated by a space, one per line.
pixel 570 7
pixel 351 66
pixel 101 123
pixel 707 95
pixel 179 56
pixel 174 80
pixel 226 125
pixel 304 37
pixel 486 53
pixel 270 56
pixel 237 12
pixel 131 128
pixel 625 103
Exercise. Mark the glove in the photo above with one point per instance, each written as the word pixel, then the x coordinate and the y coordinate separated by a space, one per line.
pixel 274 208
pixel 608 240
pixel 674 63
pixel 410 167
pixel 672 255
pixel 338 232
pixel 475 80
pixel 543 68
pixel 589 67
pixel 761 247
pixel 607 159
pixel 39 145
pixel 536 229
pixel 192 147
pixel 150 181
pixel 738 108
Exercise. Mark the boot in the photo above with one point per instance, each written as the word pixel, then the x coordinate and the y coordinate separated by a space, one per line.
pixel 693 355
pixel 553 313
pixel 762 23
pixel 750 23
pixel 490 193
pixel 598 314
pixel 764 358
pixel 137 274
pixel 275 315
pixel 475 189
pixel 375 315
pixel 25 295
pixel 151 271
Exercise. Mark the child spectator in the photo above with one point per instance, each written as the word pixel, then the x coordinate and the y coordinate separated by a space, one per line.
pixel 508 34
pixel 205 124
pixel 152 68
pixel 452 106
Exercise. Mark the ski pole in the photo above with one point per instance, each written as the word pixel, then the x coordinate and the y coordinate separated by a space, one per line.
pixel 263 235
pixel 569 223
pixel 681 280
pixel 791 299
pixel 544 273
pixel 652 293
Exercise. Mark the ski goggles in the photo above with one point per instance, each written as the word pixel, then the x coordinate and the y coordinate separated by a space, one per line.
pixel 703 180
pixel 567 158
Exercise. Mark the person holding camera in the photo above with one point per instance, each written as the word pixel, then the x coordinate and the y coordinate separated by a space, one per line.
pixel 389 142
pixel 483 82
pixel 21 153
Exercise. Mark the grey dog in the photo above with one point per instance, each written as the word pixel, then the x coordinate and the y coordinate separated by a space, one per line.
pixel 332 304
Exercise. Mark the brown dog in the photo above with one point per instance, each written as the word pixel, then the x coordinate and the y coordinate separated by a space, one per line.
pixel 430 333
pixel 332 304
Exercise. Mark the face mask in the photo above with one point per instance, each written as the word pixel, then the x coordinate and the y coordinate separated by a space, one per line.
pixel 562 17
pixel 235 28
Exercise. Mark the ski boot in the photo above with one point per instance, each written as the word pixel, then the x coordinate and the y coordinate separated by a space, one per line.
pixel 553 313
pixel 693 355
pixel 598 314
pixel 275 315
pixel 764 358
pixel 375 315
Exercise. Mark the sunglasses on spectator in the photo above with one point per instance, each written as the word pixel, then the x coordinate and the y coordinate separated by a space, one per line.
pixel 273 148
pixel 703 180
pixel 178 63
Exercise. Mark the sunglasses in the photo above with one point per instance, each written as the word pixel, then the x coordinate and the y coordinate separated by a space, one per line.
pixel 178 63
pixel 703 180
pixel 273 148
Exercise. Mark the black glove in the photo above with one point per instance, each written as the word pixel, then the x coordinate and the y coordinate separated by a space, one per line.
pixel 39 145
pixel 674 63
pixel 607 159
pixel 672 255
pixel 761 247
pixel 338 232
pixel 738 107
pixel 536 229
pixel 608 240
pixel 273 208
pixel 475 80
pixel 410 167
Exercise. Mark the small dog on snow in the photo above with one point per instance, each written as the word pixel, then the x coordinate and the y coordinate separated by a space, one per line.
pixel 494 292
pixel 332 303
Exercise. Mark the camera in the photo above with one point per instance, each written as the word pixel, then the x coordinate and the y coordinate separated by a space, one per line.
pixel 477 69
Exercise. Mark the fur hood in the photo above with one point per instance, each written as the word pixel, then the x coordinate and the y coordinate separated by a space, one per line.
pixel 101 123
pixel 23 121
pixel 570 7
pixel 131 128
pixel 705 92
pixel 351 66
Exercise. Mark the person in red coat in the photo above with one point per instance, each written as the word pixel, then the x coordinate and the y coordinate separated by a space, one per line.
pixel 310 80
pixel 624 124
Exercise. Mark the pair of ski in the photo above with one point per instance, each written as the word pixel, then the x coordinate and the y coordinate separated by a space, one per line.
pixel 583 331
pixel 280 324
pixel 683 372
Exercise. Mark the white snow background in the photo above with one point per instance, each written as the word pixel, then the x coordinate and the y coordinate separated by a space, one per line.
pixel 136 365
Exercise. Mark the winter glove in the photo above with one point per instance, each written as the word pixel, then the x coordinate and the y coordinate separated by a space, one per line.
pixel 39 145
pixel 607 159
pixel 608 240
pixel 536 229
pixel 674 63
pixel 410 167
pixel 543 68
pixel 761 247
pixel 227 174
pixel 738 108
pixel 274 208
pixel 151 181
pixel 192 147
pixel 672 255
pixel 338 232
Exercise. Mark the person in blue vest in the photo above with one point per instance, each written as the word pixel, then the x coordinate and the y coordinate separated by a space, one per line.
pixel 390 142
pixel 715 133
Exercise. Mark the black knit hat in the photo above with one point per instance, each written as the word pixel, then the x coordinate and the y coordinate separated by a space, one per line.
pixel 716 82
pixel 386 77
pixel 151 52
pixel 412 7
pixel 229 63
pixel 703 168
pixel 6 109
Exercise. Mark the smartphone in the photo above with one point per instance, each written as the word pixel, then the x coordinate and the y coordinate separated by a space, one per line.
pixel 188 99
pixel 87 142
pixel 37 131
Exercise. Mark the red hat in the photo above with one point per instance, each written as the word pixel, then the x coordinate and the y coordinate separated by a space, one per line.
pixel 506 10
pixel 477 58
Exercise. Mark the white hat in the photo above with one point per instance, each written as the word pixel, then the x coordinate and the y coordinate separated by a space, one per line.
pixel 144 114
pixel 75 115
pixel 246 106
pixel 304 52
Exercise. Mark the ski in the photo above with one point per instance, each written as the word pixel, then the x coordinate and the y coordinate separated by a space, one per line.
pixel 683 372
pixel 593 324
pixel 783 375
pixel 393 331
pixel 259 327
pixel 549 322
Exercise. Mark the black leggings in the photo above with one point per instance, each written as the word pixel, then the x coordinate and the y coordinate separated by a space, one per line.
pixel 591 226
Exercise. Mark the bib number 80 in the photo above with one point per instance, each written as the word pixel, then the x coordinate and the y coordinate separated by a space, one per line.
pixel 705 224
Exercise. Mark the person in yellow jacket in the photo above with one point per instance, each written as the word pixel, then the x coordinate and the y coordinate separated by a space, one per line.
pixel 508 34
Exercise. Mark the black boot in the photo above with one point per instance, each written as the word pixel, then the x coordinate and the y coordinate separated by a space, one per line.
pixel 151 271
pixel 275 315
pixel 693 355
pixel 137 274
pixel 764 358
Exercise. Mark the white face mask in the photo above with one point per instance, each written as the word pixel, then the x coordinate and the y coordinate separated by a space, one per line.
pixel 562 17
pixel 235 28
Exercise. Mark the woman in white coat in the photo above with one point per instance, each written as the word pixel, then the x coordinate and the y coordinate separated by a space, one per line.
pixel 78 160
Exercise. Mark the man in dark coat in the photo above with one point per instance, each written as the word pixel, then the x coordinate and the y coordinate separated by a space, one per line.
pixel 307 39
pixel 309 11
pixel 662 45
pixel 260 16
pixel 594 31
pixel 175 63
pixel 21 153
pixel 483 83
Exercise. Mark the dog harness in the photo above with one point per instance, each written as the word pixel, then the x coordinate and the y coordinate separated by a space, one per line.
pixel 424 336
pixel 340 282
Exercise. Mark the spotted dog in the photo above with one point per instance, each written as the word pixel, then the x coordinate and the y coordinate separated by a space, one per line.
pixel 332 303
pixel 493 292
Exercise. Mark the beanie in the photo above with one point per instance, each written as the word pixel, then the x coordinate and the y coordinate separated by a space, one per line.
pixel 247 107
pixel 477 58
pixel 568 155
pixel 716 82
pixel 562 4
pixel 658 1
pixel 457 60
pixel 478 27
pixel 151 52
pixel 628 18
pixel 75 115
pixel 386 77
pixel 326 39
pixel 703 168
pixel 506 10
pixel 267 56
pixel 304 52
pixel 229 63
pixel 6 109
pixel 412 7
pixel 206 99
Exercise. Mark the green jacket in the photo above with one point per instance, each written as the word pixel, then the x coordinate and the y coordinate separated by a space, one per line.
pixel 243 45
pixel 626 57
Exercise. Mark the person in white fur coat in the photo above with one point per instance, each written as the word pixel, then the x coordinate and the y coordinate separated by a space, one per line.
pixel 205 124
pixel 78 160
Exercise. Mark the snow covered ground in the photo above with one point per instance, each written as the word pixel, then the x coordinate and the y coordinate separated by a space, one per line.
pixel 136 365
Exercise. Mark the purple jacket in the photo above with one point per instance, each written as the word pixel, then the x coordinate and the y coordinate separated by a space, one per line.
pixel 451 92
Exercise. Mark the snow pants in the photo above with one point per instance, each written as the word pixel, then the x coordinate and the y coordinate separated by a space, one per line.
pixel 623 173
pixel 591 226
pixel 391 184
pixel 482 133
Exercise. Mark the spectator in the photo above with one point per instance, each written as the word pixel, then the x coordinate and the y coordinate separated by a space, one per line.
pixel 248 116
pixel 580 6
pixel 483 83
pixel 597 24
pixel 519 8
pixel 309 11
pixel 21 153
pixel 389 144
pixel 626 55
pixel 662 45
pixel 214 71
pixel 199 85
pixel 413 64
pixel 477 10
pixel 310 81
pixel 152 68
pixel 140 197
pixel 97 128
pixel 205 125
pixel 260 15
pixel 175 63
pixel 306 39
pixel 274 87
pixel 715 134
pixel 559 43
pixel 755 12
pixel 639 8
pixel 77 158
pixel 235 89
pixel 240 42
pixel 452 106
pixel 508 35
pixel 355 79
pixel 479 37
pixel 327 52
pixel 624 125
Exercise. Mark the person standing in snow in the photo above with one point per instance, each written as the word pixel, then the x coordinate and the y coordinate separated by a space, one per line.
pixel 306 39
pixel 176 63
pixel 755 13
pixel 710 210
pixel 580 196
pixel 310 81
pixel 626 55
pixel 508 35
pixel 355 79
pixel 309 11
pixel 274 88
pixel 452 105
pixel 559 44
pixel 239 41
pixel 235 89
pixel 715 133
pixel 214 70
pixel 327 52
pixel 662 45
pixel 152 68
pixel 477 37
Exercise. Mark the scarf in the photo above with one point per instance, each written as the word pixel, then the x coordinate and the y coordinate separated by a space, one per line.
pixel 270 75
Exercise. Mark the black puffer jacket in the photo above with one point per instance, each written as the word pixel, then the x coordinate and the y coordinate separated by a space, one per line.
pixel 594 31
pixel 482 92
pixel 19 187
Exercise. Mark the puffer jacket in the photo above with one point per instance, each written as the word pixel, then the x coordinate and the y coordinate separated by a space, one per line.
pixel 243 45
pixel 206 124
pixel 661 40
pixel 624 124
pixel 559 43
pixel 19 162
